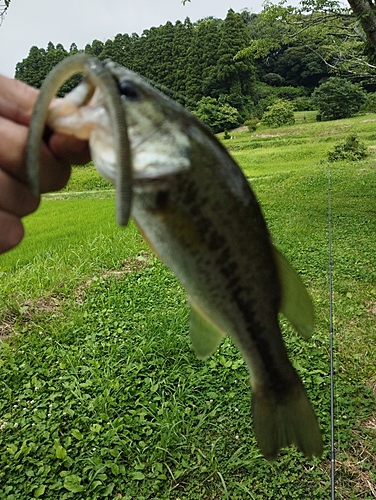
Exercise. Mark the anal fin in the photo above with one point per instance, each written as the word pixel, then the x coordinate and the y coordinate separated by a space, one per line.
pixel 296 304
pixel 204 333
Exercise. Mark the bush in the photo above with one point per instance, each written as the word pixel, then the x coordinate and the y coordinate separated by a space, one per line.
pixel 290 93
pixel 251 124
pixel 274 79
pixel 243 104
pixel 338 98
pixel 351 149
pixel 280 113
pixel 369 105
pixel 265 95
pixel 217 116
pixel 303 104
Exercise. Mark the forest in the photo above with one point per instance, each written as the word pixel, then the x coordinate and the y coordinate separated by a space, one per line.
pixel 231 70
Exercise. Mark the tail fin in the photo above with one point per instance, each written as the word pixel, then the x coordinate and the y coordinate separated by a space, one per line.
pixel 279 422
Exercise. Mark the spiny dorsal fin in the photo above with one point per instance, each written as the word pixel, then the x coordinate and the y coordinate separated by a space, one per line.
pixel 296 304
pixel 204 333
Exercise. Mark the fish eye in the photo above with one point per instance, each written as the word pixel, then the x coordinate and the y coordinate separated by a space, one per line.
pixel 128 90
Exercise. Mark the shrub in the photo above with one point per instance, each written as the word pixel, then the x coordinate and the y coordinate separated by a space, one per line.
pixel 274 79
pixel 290 93
pixel 369 105
pixel 338 98
pixel 217 116
pixel 303 104
pixel 251 124
pixel 278 114
pixel 265 95
pixel 350 149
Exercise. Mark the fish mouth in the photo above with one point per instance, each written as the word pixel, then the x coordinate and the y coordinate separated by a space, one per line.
pixel 150 166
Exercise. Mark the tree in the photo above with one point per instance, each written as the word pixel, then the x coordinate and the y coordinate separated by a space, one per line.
pixel 183 33
pixel 202 58
pixel 364 11
pixel 338 98
pixel 364 14
pixel 326 30
pixel 3 9
pixel 119 50
pixel 34 69
pixel 162 68
pixel 73 48
pixel 52 57
pixel 234 76
pixel 300 65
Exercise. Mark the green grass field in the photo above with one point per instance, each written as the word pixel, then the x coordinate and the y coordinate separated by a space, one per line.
pixel 101 394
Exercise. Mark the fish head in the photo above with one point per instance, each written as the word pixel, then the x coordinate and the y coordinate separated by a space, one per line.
pixel 159 144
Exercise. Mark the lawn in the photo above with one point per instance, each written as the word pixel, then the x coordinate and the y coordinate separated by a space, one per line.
pixel 101 394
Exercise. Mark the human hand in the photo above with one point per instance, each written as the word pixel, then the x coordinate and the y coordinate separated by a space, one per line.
pixel 16 200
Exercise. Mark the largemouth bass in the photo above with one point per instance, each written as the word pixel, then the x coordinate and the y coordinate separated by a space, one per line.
pixel 196 209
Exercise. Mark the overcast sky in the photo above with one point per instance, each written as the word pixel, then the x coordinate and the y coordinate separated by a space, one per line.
pixel 29 23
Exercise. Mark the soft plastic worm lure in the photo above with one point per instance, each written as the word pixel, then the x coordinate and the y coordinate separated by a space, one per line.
pixel 96 74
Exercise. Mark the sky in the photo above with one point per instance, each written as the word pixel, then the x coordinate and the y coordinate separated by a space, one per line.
pixel 38 22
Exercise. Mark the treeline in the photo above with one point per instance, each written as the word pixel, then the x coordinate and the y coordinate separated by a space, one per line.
pixel 200 65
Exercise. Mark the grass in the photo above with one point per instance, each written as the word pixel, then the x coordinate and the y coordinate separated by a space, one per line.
pixel 101 395
pixel 82 238
pixel 269 151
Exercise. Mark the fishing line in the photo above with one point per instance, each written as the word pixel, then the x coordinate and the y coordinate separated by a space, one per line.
pixel 331 343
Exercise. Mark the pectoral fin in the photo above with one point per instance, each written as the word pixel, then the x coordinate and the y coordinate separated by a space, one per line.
pixel 204 333
pixel 296 304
